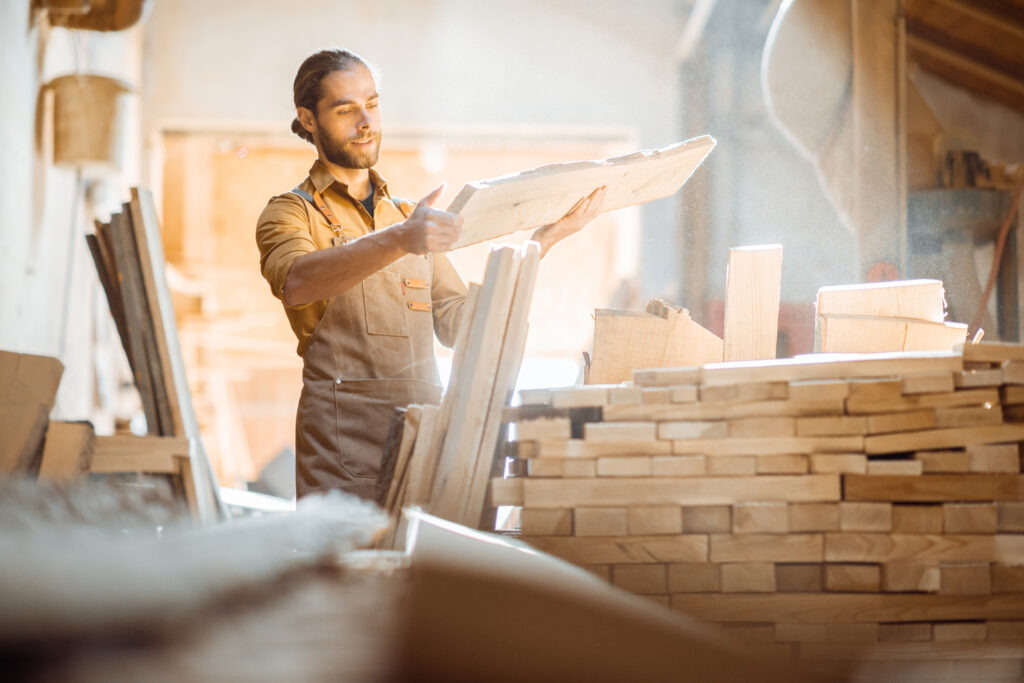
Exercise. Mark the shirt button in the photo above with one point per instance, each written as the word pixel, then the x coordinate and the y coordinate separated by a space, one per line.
pixel 337 381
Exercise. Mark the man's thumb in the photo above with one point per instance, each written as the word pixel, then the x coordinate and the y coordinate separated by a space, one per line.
pixel 432 197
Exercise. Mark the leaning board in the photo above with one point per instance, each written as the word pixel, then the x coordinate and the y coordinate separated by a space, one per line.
pixel 528 199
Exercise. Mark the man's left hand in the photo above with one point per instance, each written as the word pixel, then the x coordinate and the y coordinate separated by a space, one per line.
pixel 585 210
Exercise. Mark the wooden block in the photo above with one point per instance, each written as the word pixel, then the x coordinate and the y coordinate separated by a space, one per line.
pixel 578 448
pixel 1005 630
pixel 1007 578
pixel 862 334
pixel 505 204
pixel 937 462
pixel 910 577
pixel 859 547
pixel 955 399
pixel 748 577
pixel 871 389
pixel 628 466
pixel 694 577
pixel 150 463
pixel 67 450
pixel 643 579
pixel 666 377
pixel 851 607
pixel 969 518
pixel 949 632
pixel 865 516
pixel 937 439
pixel 917 519
pixel 579 397
pixel 917 299
pixel 934 383
pixel 709 519
pixel 1011 395
pixel 680 491
pixel 677 465
pixel 579 468
pixel 624 395
pixel 545 467
pixel 603 571
pixel 992 457
pixel 838 463
pixel 900 467
pixel 753 281
pixel 507 491
pixel 684 394
pixel 535 397
pixel 767 548
pixel 691 430
pixel 831 425
pixel 544 428
pixel 760 518
pixel 654 519
pixel 969 416
pixel 973 379
pixel 762 427
pixel 991 352
pixel 599 521
pixel 819 390
pixel 793 463
pixel 905 633
pixel 805 517
pixel 769 445
pixel 934 488
pixel 746 393
pixel 909 421
pixel 720 411
pixel 741 465
pixel 546 522
pixel 800 633
pixel 799 578
pixel 626 549
pixel 1010 516
pixel 851 633
pixel 845 578
pixel 1013 372
pixel 657 395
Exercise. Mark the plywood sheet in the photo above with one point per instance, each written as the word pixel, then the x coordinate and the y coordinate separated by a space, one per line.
pixel 528 199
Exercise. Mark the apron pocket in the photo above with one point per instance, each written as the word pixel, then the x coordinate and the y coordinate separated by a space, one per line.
pixel 384 303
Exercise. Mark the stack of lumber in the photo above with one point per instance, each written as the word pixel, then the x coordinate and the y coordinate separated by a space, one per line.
pixel 908 315
pixel 446 454
pixel 128 254
pixel 845 507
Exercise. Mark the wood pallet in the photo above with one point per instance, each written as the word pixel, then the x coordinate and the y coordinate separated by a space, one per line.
pixel 843 507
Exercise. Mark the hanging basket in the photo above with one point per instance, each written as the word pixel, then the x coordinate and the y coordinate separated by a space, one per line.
pixel 90 120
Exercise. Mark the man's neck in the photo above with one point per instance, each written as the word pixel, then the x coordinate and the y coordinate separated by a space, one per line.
pixel 356 179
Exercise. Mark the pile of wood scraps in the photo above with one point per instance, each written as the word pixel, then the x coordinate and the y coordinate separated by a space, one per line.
pixel 843 507
pixel 446 454
pixel 128 254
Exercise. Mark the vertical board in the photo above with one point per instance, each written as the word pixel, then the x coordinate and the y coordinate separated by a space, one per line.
pixel 752 289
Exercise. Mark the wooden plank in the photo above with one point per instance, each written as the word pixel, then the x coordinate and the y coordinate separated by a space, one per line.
pixel 68 450
pixel 856 334
pixel 964 397
pixel 528 199
pixel 748 577
pixel 799 578
pixel 1010 516
pixel 938 439
pixel 789 463
pixel 867 547
pixel 818 608
pixel 535 522
pixel 917 519
pixel 973 379
pixel 969 416
pixel 743 465
pixel 745 427
pixel 543 428
pixel 150 463
pixel 809 517
pixel 925 660
pixel 992 352
pixel 965 579
pixel 908 576
pixel 654 519
pixel 642 579
pixel 693 429
pixel 760 518
pixel 666 377
pixel 625 549
pixel 895 467
pixel 934 488
pixel 952 632
pixel 107 273
pixel 768 445
pixel 767 548
pixel 694 577
pixel 818 390
pixel 399 476
pixel 969 518
pixel 944 462
pixel 917 299
pixel 578 448
pixel 416 489
pixel 604 432
pixel 677 466
pixel 28 389
pixel 486 463
pixel 830 366
pixel 746 393
pixel 838 463
pixel 507 491
pixel 627 466
pixel 599 521
pixel 853 578
pixel 935 383
pixel 707 519
pixel 659 395
pixel 467 399
pixel 836 425
pixel 717 411
pixel 994 457
pixel 681 491
pixel 579 397
pixel 905 633
pixel 865 516
pixel 752 289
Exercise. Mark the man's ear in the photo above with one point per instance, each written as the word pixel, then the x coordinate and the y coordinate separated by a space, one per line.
pixel 306 119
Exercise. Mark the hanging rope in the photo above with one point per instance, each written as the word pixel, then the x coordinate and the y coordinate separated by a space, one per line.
pixel 997 256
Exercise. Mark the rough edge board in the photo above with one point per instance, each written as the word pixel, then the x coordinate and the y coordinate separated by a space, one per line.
pixel 831 366
pixel 527 199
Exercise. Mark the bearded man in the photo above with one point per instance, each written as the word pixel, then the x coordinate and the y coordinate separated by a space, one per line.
pixel 363 278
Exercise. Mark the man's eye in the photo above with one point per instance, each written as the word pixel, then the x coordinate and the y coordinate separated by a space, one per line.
pixel 372 105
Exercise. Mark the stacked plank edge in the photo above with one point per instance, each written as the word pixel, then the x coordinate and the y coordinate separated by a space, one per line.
pixel 851 510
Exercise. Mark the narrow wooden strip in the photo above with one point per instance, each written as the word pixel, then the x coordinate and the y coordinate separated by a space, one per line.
pixel 767 548
pixel 714 411
pixel 753 281
pixel 830 366
pixel 768 445
pixel 625 549
pixel 934 488
pixel 856 547
pixel 963 397
pixel 943 438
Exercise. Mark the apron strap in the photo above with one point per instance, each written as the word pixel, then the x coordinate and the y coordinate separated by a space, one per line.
pixel 317 200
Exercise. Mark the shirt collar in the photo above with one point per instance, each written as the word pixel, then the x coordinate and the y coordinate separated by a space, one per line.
pixel 322 179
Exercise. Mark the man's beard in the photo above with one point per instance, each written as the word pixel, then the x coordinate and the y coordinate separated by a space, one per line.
pixel 338 155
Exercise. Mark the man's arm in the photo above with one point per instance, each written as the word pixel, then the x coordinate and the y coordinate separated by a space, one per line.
pixel 328 272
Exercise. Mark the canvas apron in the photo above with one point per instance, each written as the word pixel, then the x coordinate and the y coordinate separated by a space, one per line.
pixel 372 351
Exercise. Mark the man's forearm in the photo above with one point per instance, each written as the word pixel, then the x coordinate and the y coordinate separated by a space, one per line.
pixel 325 273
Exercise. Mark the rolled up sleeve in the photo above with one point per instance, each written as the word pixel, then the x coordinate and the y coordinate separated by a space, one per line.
pixel 448 295
pixel 282 235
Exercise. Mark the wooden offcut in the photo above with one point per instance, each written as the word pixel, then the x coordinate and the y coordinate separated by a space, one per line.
pixel 28 389
pixel 913 299
pixel 753 282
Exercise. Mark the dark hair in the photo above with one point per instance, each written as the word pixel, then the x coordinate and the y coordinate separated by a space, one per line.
pixel 306 90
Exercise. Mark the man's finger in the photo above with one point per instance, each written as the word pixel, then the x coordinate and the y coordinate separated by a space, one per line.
pixel 429 200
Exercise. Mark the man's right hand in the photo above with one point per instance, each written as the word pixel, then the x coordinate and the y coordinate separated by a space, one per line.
pixel 429 230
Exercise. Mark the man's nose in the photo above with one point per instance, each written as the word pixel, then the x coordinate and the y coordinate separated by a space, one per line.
pixel 364 118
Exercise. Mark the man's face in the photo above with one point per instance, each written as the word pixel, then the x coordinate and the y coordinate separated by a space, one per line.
pixel 348 118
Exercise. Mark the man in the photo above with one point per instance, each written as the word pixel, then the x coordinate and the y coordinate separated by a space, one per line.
pixel 363 278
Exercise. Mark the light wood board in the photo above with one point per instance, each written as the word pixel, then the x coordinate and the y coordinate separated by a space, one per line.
pixel 752 290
